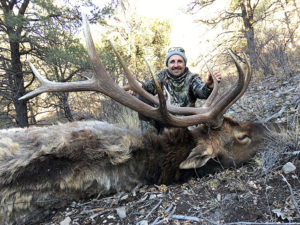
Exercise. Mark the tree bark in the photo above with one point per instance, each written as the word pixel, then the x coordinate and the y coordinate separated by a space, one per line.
pixel 64 105
pixel 17 81
pixel 13 29
pixel 247 15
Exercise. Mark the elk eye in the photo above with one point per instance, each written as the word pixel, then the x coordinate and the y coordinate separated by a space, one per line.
pixel 243 137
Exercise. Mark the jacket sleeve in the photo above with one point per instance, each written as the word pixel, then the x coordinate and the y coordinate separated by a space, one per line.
pixel 200 89
pixel 150 87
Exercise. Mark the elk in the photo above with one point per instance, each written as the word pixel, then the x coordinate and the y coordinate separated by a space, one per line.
pixel 42 168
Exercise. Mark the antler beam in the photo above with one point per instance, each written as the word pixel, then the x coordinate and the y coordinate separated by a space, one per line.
pixel 211 113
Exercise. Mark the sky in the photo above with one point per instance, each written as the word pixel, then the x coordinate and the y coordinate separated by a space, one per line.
pixel 183 29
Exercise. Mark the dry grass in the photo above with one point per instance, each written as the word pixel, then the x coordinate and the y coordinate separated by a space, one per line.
pixel 279 148
pixel 117 114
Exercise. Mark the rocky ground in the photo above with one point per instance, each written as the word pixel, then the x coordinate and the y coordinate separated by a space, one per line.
pixel 269 99
pixel 265 191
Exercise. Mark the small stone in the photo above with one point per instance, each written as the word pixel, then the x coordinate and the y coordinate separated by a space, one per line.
pixel 273 87
pixel 121 211
pixel 124 197
pixel 288 168
pixel 152 196
pixel 277 95
pixel 66 221
pixel 143 222
pixel 219 198
pixel 111 217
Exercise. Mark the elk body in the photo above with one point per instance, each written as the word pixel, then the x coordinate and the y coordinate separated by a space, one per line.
pixel 43 168
pixel 48 167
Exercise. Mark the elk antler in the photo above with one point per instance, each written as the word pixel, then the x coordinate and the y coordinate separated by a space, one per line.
pixel 211 113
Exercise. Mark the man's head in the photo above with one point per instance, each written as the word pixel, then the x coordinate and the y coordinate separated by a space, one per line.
pixel 176 61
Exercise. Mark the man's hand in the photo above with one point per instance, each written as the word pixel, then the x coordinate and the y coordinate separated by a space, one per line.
pixel 127 88
pixel 210 81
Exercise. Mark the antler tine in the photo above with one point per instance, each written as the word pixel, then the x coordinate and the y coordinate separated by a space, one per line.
pixel 50 86
pixel 247 77
pixel 132 82
pixel 214 93
pixel 161 101
pixel 163 109
pixel 40 89
pixel 240 87
pixel 221 105
pixel 149 67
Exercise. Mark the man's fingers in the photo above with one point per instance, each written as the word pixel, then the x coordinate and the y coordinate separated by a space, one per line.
pixel 218 76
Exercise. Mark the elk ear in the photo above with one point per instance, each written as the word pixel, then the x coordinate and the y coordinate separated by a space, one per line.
pixel 197 158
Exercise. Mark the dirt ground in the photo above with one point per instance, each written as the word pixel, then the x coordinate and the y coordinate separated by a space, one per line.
pixel 243 195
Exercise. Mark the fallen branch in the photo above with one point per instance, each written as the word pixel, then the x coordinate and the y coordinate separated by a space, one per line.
pixel 182 217
pixel 155 207
pixel 292 193
pixel 276 115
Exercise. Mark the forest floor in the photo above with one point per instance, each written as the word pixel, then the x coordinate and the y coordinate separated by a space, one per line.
pixel 264 191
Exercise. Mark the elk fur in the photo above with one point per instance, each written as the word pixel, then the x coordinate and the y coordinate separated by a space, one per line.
pixel 42 168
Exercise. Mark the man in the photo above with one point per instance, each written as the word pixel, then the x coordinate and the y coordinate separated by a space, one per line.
pixel 180 86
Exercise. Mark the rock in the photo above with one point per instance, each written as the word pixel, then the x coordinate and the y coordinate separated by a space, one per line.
pixel 273 87
pixel 121 211
pixel 111 217
pixel 143 222
pixel 152 196
pixel 66 221
pixel 288 168
pixel 285 83
pixel 124 197
pixel 277 95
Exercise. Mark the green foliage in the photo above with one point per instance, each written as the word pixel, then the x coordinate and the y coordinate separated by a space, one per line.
pixel 262 8
pixel 46 33
pixel 234 4
pixel 138 38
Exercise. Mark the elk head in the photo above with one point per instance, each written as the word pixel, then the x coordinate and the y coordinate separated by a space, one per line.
pixel 232 143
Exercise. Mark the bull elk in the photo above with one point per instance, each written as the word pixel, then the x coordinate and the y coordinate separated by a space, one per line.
pixel 42 168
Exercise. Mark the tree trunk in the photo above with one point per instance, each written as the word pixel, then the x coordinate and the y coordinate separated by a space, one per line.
pixel 17 82
pixel 247 15
pixel 64 105
pixel 32 116
pixel 13 28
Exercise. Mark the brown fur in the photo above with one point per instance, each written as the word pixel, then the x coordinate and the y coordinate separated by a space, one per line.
pixel 46 168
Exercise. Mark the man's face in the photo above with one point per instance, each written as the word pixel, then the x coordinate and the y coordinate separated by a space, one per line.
pixel 176 65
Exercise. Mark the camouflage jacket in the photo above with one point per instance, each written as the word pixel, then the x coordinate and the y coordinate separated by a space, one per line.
pixel 180 91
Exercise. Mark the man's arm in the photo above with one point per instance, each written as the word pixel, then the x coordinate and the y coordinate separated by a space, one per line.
pixel 210 81
pixel 200 89
pixel 150 86
pixel 203 90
